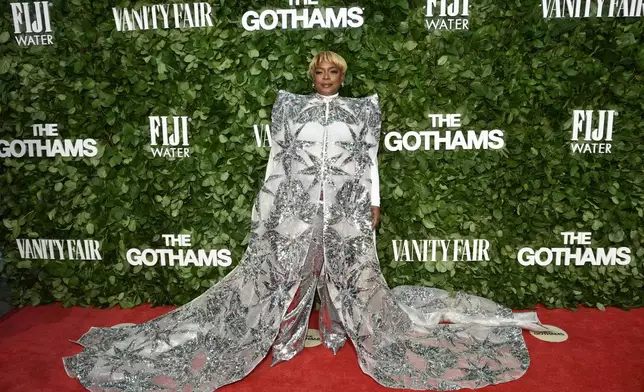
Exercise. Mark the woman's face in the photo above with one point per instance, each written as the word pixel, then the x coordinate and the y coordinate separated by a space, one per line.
pixel 327 78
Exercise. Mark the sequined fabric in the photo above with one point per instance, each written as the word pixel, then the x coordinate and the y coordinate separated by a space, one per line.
pixel 300 244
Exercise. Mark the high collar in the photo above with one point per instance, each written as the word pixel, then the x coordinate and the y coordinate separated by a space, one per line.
pixel 326 98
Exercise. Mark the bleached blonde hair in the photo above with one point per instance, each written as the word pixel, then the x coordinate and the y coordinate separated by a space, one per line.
pixel 330 57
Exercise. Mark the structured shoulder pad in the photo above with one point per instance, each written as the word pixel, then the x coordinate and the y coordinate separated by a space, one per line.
pixel 282 97
pixel 373 99
pixel 371 102
pixel 281 92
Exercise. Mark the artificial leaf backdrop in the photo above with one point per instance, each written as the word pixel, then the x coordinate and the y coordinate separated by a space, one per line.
pixel 512 70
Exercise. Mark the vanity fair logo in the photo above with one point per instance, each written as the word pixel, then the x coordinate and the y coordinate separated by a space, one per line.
pixel 592 8
pixel 173 142
pixel 595 141
pixel 163 16
pixel 47 147
pixel 51 249
pixel 448 250
pixel 168 257
pixel 447 15
pixel 263 135
pixel 578 256
pixel 308 18
pixel 448 140
pixel 31 23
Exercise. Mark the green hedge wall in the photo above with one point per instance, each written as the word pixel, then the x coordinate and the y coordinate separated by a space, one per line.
pixel 512 70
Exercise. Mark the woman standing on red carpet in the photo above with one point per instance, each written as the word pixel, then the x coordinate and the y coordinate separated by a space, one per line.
pixel 313 229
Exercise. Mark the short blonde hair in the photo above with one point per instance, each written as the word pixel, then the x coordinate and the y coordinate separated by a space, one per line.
pixel 330 57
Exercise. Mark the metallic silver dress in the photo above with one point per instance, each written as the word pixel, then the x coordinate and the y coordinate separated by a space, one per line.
pixel 298 245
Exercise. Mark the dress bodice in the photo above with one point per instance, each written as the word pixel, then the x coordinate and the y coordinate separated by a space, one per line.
pixel 326 139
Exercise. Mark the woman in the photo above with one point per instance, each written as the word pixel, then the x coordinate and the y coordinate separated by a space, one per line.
pixel 312 229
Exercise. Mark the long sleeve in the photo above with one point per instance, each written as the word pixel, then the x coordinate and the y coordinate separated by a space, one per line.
pixel 277 125
pixel 375 185
pixel 374 124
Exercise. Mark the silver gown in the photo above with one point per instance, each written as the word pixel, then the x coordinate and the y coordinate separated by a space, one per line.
pixel 298 245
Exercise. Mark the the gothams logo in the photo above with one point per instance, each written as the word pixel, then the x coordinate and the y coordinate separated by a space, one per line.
pixel 578 255
pixel 585 138
pixel 31 23
pixel 182 257
pixel 592 8
pixel 51 249
pixel 446 250
pixel 47 147
pixel 447 140
pixel 163 16
pixel 169 139
pixel 447 15
pixel 306 18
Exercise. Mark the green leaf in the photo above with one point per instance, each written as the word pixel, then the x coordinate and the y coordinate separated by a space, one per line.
pixel 126 303
pixel 23 264
pixel 253 53
pixel 5 65
pixel 90 228
pixel 410 45
pixel 468 74
pixel 442 60
pixel 616 235
pixel 428 224
pixel 183 86
pixel 4 37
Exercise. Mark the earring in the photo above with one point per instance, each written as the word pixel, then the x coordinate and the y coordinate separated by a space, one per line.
pixel 342 84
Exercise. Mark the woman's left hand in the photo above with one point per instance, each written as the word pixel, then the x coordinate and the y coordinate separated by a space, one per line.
pixel 375 216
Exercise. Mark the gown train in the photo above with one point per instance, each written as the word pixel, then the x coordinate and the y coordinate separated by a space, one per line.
pixel 297 246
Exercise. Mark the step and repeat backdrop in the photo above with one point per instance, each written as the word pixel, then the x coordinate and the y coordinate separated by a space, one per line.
pixel 135 136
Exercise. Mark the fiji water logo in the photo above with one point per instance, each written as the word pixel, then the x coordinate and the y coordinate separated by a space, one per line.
pixel 169 136
pixel 447 15
pixel 592 131
pixel 31 23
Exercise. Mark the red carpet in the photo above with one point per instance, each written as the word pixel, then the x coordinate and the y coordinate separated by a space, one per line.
pixel 604 353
